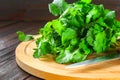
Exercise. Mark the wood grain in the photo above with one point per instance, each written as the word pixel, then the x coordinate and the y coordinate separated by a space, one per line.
pixel 8 42
pixel 50 70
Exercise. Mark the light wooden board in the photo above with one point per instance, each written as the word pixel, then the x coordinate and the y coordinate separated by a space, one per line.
pixel 48 69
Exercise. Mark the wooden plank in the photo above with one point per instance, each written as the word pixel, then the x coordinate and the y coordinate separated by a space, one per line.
pixel 19 26
pixel 8 42
pixel 5 54
pixel 10 71
pixel 6 23
pixel 33 78
pixel 9 36
pixel 8 39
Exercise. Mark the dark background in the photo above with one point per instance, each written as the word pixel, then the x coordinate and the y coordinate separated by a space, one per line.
pixel 34 10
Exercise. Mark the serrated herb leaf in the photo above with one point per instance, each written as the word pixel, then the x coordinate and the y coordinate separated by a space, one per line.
pixel 58 26
pixel 64 57
pixel 100 42
pixel 24 37
pixel 67 35
pixel 109 18
pixel 57 7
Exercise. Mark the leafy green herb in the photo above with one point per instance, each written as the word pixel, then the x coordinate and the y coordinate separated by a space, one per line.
pixel 57 7
pixel 81 29
pixel 100 42
pixel 57 25
pixel 24 37
pixel 68 35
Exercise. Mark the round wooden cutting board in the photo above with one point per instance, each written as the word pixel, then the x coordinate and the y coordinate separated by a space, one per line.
pixel 48 69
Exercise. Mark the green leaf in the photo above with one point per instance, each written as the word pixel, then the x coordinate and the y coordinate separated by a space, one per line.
pixel 74 41
pixel 71 17
pixel 117 26
pixel 42 49
pixel 85 9
pixel 97 29
pixel 78 57
pixel 56 39
pixel 101 22
pixel 86 1
pixel 36 53
pixel 68 34
pixel 57 7
pixel 90 14
pixel 90 36
pixel 114 40
pixel 54 9
pixel 24 37
pixel 47 30
pixel 94 13
pixel 68 57
pixel 58 26
pixel 109 18
pixel 84 47
pixel 100 42
pixel 64 57
pixel 110 15
pixel 45 48
pixel 106 11
pixel 109 33
pixel 74 22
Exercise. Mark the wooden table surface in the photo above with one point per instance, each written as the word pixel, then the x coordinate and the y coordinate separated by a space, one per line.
pixel 8 42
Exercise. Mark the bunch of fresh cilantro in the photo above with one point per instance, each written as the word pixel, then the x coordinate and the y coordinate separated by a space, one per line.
pixel 81 29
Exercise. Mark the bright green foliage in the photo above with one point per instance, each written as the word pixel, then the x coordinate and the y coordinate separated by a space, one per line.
pixel 24 37
pixel 57 7
pixel 86 1
pixel 57 25
pixel 68 35
pixel 92 13
pixel 64 57
pixel 84 47
pixel 82 28
pixel 67 56
pixel 100 42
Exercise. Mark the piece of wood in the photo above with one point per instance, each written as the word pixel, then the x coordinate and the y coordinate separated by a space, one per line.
pixel 10 71
pixel 32 78
pixel 8 42
pixel 50 70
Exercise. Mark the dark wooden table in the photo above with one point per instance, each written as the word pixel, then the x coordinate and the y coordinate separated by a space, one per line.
pixel 8 42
